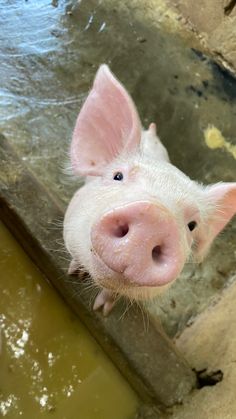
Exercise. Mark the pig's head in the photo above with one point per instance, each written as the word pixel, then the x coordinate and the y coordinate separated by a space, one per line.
pixel 138 219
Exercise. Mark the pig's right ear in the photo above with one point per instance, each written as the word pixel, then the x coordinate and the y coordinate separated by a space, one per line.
pixel 108 124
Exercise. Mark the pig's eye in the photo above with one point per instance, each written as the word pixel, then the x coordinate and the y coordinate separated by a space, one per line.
pixel 118 176
pixel 192 225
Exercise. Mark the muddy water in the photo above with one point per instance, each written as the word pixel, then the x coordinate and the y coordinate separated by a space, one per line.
pixel 50 366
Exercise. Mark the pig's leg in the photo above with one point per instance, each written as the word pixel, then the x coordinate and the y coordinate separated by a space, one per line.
pixel 73 268
pixel 104 300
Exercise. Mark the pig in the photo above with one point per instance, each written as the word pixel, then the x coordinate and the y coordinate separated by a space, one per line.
pixel 137 219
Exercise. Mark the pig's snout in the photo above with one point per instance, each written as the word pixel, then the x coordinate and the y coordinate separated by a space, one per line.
pixel 141 241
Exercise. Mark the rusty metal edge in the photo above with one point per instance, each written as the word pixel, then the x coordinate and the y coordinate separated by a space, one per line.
pixel 28 210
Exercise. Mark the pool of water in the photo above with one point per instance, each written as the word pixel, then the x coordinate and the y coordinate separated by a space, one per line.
pixel 50 366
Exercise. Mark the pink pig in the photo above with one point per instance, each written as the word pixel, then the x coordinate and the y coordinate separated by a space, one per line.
pixel 137 219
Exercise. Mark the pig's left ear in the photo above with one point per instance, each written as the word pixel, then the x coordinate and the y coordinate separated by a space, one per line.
pixel 107 125
pixel 221 203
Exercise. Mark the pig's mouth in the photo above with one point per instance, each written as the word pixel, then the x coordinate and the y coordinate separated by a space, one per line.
pixel 104 266
pixel 121 279
pixel 116 282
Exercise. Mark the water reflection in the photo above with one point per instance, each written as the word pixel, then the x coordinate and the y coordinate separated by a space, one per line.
pixel 49 363
pixel 46 63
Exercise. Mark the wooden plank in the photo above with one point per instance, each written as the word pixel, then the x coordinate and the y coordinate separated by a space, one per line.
pixel 144 355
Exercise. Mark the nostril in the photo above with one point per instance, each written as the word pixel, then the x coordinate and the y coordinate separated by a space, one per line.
pixel 120 230
pixel 156 254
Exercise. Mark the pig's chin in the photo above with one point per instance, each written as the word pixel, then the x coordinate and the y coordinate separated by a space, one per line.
pixel 106 277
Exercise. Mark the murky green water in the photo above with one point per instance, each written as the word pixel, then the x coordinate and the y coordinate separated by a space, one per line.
pixel 50 367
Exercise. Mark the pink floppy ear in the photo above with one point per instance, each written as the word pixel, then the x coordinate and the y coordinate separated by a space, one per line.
pixel 221 199
pixel 107 125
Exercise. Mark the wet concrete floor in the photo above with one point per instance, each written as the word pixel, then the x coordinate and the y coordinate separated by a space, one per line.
pixel 50 365
pixel 49 54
